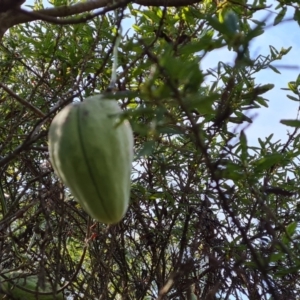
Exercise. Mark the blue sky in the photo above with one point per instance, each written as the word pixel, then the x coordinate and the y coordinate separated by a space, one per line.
pixel 280 107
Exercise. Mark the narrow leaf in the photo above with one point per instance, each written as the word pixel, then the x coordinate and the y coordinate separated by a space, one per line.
pixel 292 123
pixel 280 16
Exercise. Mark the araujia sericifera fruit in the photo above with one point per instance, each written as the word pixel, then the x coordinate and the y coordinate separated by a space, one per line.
pixel 92 153
pixel 16 280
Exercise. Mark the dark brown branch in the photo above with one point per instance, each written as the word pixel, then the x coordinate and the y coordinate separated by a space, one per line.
pixel 12 17
pixel 6 5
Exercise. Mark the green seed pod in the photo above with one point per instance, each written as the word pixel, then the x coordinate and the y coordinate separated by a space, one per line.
pixel 17 286
pixel 92 153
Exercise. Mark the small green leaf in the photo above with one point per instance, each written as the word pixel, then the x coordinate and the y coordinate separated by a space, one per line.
pixel 274 52
pixel 293 87
pixel 267 162
pixel 276 257
pixel 202 104
pixel 262 144
pixel 292 123
pixel 297 16
pixel 284 51
pixel 147 149
pixel 293 98
pixel 244 146
pixel 280 16
pixel 262 101
pixel 298 80
pixel 290 229
pixel 274 69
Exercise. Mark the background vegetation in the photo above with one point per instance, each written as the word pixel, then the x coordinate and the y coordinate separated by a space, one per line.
pixel 211 217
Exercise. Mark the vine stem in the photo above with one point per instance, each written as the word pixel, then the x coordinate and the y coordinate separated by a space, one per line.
pixel 115 57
